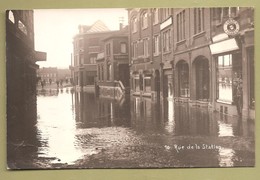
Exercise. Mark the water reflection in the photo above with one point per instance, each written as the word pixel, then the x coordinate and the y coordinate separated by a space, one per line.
pixel 72 125
pixel 57 129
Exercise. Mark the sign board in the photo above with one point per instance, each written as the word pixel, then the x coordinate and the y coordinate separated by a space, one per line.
pixel 231 27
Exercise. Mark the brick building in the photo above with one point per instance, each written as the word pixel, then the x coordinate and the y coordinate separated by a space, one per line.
pixel 186 54
pixel 113 65
pixel 88 43
pixel 232 49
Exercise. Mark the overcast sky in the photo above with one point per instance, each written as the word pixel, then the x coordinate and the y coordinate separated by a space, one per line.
pixel 54 30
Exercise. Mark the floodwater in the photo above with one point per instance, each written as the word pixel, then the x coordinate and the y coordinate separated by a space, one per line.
pixel 80 130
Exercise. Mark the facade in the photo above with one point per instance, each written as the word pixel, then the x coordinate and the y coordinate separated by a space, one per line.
pixel 232 52
pixel 52 74
pixel 49 75
pixel 88 43
pixel 113 65
pixel 192 55
pixel 145 52
pixel 21 70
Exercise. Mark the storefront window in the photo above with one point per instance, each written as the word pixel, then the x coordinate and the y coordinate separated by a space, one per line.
pixel 183 79
pixel 147 84
pixel 136 84
pixel 228 77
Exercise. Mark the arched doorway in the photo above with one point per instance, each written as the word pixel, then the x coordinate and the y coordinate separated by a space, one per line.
pixel 201 65
pixel 182 79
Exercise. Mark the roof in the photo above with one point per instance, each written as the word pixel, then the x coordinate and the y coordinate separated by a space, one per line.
pixel 98 26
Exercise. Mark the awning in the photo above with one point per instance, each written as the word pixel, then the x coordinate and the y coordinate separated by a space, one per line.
pixel 224 46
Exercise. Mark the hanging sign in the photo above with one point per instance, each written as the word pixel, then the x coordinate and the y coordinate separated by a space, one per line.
pixel 231 27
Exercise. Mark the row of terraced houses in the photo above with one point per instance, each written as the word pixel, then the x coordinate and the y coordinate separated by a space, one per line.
pixel 201 56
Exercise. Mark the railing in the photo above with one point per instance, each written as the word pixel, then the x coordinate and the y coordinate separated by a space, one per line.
pixel 120 89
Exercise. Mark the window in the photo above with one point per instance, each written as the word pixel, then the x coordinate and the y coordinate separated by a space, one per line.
pixel 224 79
pixel 183 79
pixel 93 59
pixel 147 84
pixel 156 45
pixel 108 49
pixel 109 71
pixel 181 26
pixel 81 59
pixel 217 14
pixel 11 16
pixel 233 11
pixel 123 47
pixel 22 27
pixel 136 83
pixel 167 40
pixel 166 12
pixel 155 16
pixel 198 20
pixel 81 43
pixel 102 72
pixel 146 48
pixel 229 75
pixel 134 49
pixel 134 25
pixel 144 20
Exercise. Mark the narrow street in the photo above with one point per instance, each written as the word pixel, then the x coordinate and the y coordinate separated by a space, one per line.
pixel 80 130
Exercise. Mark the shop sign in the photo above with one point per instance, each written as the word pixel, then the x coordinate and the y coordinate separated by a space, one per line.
pixel 166 23
pixel 224 46
pixel 231 27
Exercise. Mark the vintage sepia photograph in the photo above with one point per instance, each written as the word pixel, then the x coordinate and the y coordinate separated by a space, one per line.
pixel 130 88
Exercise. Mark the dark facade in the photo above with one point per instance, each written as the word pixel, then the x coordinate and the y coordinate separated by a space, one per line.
pixel 145 52
pixel 88 43
pixel 113 65
pixel 185 54
pixel 21 77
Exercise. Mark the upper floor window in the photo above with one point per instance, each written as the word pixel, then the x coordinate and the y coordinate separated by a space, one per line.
pixel 166 40
pixel 230 12
pixel 11 16
pixel 166 12
pixel 156 45
pixel 217 14
pixel 198 20
pixel 224 13
pixel 144 20
pixel 81 43
pixel 135 49
pixel 181 26
pixel 93 59
pixel 108 49
pixel 146 47
pixel 123 47
pixel 22 27
pixel 156 16
pixel 134 25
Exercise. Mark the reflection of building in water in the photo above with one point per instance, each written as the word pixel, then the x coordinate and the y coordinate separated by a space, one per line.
pixel 21 78
pixel 91 111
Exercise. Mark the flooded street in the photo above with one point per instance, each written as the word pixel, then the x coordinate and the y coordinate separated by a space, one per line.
pixel 80 130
